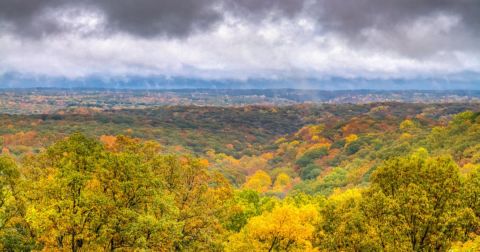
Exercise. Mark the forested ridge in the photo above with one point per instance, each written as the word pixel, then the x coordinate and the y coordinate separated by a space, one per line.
pixel 375 177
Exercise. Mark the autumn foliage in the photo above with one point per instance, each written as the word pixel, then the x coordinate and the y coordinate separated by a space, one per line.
pixel 369 182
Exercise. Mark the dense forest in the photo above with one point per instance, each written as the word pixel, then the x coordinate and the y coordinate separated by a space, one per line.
pixel 371 177
pixel 240 125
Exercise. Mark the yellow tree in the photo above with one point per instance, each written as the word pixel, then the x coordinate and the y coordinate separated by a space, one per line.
pixel 134 211
pixel 83 197
pixel 199 196
pixel 285 228
pixel 468 246
pixel 471 197
pixel 282 183
pixel 63 206
pixel 260 181
pixel 407 125
pixel 351 138
pixel 343 227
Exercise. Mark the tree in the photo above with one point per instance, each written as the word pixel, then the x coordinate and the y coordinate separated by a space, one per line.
pixel 468 246
pixel 282 182
pixel 336 178
pixel 310 155
pixel 407 125
pixel 15 233
pixel 285 228
pixel 414 203
pixel 311 171
pixel 8 176
pixel 471 194
pixel 63 204
pixel 343 226
pixel 351 138
pixel 135 210
pixel 245 205
pixel 128 197
pixel 200 197
pixel 260 181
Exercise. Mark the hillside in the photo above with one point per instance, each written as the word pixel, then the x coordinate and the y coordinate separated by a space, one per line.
pixel 235 131
pixel 371 177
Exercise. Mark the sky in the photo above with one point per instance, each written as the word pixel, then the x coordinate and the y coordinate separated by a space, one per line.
pixel 241 39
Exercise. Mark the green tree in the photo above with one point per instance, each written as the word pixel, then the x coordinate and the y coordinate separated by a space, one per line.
pixel 414 203
pixel 129 197
pixel 471 199
pixel 199 196
pixel 15 233
pixel 63 204
pixel 135 210
pixel 343 226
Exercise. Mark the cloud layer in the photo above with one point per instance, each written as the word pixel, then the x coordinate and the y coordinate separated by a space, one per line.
pixel 240 38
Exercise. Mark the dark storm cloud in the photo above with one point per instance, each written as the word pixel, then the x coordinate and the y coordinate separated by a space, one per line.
pixel 19 15
pixel 179 18
pixel 145 18
pixel 394 22
pixel 166 17
pixel 259 9
pixel 351 16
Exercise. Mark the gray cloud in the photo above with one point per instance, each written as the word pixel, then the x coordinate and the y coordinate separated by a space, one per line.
pixel 144 18
pixel 265 8
pixel 149 18
pixel 340 36
pixel 351 16
pixel 412 27
pixel 19 16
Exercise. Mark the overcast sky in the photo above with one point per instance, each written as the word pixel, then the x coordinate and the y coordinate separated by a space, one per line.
pixel 240 39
